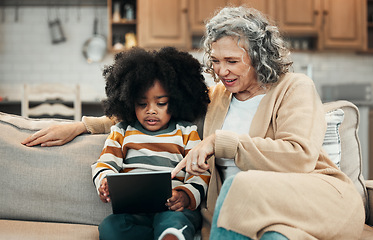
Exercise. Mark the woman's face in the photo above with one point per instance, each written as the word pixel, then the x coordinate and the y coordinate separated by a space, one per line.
pixel 232 64
pixel 151 109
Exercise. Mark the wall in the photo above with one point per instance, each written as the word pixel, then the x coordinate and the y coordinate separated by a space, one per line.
pixel 28 56
pixel 336 68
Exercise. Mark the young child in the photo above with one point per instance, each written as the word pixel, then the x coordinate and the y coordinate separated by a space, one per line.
pixel 155 96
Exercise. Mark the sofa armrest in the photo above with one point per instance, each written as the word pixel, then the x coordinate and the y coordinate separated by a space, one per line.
pixel 49 184
pixel 369 186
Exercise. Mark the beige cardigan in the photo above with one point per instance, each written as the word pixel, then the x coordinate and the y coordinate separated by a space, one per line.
pixel 298 188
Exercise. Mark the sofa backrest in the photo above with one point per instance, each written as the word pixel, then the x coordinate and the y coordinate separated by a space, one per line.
pixel 54 183
pixel 50 184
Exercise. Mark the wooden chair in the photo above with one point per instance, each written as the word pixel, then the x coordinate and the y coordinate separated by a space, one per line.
pixel 40 100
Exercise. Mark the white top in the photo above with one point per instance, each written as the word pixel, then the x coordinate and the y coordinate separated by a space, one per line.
pixel 239 117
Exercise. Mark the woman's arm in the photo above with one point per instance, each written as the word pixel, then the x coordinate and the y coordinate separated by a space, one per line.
pixel 63 133
pixel 289 142
pixel 55 135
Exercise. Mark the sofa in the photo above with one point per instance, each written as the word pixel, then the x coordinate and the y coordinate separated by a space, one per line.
pixel 47 192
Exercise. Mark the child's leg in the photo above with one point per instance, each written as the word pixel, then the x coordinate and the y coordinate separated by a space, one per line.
pixel 126 226
pixel 168 219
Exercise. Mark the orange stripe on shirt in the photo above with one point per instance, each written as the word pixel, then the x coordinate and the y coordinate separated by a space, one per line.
pixel 116 136
pixel 181 179
pixel 133 132
pixel 117 152
pixel 156 147
pixel 205 178
pixel 104 165
pixel 193 136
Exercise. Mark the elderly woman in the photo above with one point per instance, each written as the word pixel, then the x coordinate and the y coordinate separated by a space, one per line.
pixel 262 141
pixel 264 130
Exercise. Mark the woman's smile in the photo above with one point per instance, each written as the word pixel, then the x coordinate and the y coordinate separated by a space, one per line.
pixel 229 81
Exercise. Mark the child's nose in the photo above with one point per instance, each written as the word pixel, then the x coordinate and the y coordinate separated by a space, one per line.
pixel 151 109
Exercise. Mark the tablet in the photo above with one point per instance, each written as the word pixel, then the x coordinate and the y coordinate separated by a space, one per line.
pixel 140 192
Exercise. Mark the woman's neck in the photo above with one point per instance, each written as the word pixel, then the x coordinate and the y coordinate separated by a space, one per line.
pixel 250 93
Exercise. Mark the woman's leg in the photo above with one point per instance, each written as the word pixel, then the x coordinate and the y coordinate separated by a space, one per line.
pixel 297 201
pixel 218 232
pixel 222 233
pixel 126 226
pixel 173 219
pixel 273 236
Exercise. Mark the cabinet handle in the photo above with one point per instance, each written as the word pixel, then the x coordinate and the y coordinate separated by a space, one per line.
pixel 316 12
pixel 185 10
pixel 325 13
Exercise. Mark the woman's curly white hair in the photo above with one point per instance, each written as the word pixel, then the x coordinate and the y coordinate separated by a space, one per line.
pixel 261 40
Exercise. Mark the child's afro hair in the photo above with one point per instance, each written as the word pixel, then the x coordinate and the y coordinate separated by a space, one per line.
pixel 134 71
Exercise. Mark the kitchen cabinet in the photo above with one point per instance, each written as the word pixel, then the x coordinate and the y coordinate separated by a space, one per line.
pixel 265 6
pixel 158 23
pixel 343 24
pixel 299 17
pixel 163 23
pixel 323 24
pixel 370 26
pixel 44 3
pixel 336 24
pixel 155 23
pixel 122 21
pixel 201 10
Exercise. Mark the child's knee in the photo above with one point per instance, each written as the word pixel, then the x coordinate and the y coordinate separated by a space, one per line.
pixel 106 227
pixel 110 226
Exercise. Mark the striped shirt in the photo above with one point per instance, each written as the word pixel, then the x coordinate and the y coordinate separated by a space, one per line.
pixel 134 149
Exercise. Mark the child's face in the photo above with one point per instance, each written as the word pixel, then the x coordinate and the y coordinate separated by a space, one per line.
pixel 151 109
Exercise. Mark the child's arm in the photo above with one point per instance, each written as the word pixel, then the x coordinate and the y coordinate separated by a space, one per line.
pixel 110 161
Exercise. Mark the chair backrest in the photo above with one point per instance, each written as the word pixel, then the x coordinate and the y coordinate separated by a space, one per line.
pixel 51 100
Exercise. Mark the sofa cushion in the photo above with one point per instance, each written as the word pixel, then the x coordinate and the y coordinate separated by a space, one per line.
pixel 351 161
pixel 16 230
pixel 48 183
pixel 332 139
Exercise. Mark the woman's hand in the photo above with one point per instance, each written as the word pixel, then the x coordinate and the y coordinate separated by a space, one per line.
pixel 178 201
pixel 104 191
pixel 195 160
pixel 55 135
